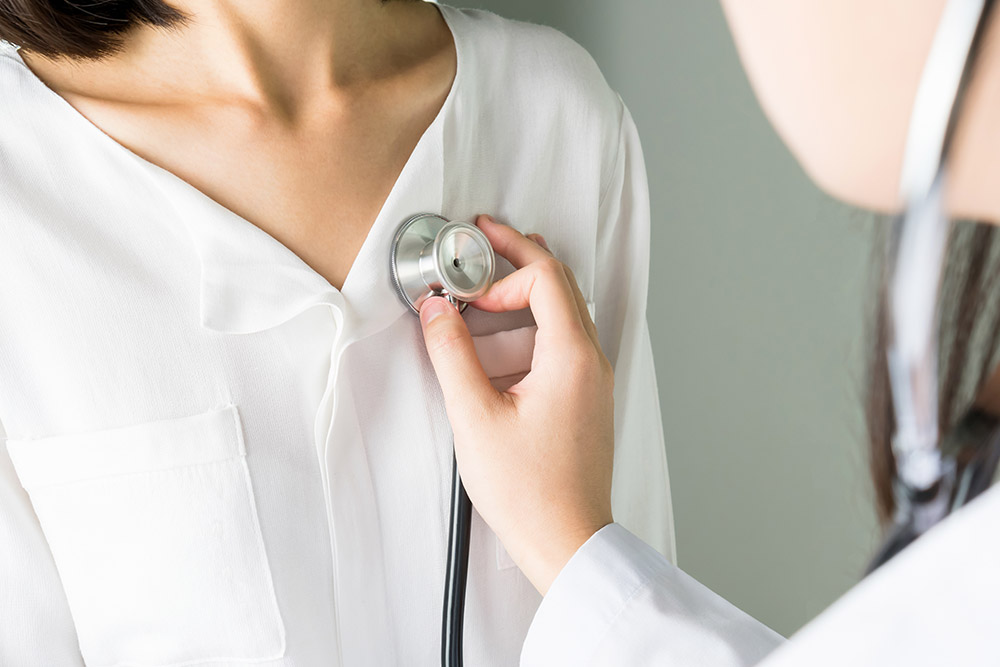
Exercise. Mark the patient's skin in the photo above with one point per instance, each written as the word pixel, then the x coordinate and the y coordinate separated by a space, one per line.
pixel 838 79
pixel 330 97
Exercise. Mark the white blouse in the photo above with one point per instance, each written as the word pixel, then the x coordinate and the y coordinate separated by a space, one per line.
pixel 214 457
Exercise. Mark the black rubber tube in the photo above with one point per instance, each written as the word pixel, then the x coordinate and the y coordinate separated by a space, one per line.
pixel 457 572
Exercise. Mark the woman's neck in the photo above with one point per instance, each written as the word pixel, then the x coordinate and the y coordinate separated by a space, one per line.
pixel 285 57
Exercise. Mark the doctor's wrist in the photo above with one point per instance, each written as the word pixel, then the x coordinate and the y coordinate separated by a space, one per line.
pixel 551 552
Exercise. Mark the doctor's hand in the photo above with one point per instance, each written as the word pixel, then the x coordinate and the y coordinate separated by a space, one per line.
pixel 536 460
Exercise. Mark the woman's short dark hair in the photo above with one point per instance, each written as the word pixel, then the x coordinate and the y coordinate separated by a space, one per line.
pixel 79 28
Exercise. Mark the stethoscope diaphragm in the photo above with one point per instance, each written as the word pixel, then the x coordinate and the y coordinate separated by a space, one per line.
pixel 432 256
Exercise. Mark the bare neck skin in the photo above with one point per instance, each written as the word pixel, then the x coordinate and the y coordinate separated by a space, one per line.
pixel 284 57
pixel 298 115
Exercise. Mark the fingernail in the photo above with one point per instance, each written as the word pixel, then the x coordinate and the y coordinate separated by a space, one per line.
pixel 434 307
pixel 487 218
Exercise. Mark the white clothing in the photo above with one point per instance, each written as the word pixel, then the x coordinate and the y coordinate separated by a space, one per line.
pixel 212 456
pixel 618 602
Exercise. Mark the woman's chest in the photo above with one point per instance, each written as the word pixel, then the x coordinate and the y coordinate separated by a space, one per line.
pixel 185 478
pixel 316 187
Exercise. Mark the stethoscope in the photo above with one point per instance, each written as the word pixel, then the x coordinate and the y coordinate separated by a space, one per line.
pixel 432 256
pixel 934 474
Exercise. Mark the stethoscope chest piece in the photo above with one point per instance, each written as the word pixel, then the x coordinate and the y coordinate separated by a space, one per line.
pixel 432 256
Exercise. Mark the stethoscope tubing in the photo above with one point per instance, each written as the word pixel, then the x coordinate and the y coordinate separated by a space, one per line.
pixel 426 260
pixel 457 571
pixel 925 475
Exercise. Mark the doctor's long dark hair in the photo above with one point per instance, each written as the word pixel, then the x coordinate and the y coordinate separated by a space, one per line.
pixel 969 312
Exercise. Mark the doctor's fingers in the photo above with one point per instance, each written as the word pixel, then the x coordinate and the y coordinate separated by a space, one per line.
pixel 513 246
pixel 544 287
pixel 464 383
pixel 526 255
pixel 540 240
pixel 581 303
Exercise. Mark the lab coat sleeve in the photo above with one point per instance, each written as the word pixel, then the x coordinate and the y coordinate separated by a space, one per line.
pixel 620 602
pixel 640 492
pixel 35 623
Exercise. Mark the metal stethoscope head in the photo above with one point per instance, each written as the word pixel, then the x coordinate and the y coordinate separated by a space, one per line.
pixel 432 256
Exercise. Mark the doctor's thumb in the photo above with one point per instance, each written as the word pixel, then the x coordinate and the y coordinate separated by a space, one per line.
pixel 465 385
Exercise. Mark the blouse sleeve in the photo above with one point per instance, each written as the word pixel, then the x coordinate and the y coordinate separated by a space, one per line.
pixel 620 602
pixel 35 623
pixel 640 489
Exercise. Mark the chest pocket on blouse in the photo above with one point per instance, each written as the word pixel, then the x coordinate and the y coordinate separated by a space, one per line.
pixel 155 534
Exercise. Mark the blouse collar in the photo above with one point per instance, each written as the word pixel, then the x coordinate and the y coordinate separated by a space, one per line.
pixel 250 281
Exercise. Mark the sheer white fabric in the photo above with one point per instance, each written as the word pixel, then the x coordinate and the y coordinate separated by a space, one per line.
pixel 212 456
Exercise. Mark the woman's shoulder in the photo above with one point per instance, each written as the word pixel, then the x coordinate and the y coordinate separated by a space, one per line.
pixel 19 152
pixel 11 74
pixel 34 147
pixel 21 99
pixel 9 82
pixel 537 68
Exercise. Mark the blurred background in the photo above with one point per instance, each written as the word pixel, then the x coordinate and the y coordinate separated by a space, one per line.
pixel 758 292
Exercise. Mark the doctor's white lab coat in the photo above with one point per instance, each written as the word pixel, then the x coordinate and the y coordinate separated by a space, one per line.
pixel 936 604
pixel 213 457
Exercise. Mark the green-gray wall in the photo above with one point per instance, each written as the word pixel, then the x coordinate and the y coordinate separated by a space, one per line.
pixel 757 296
